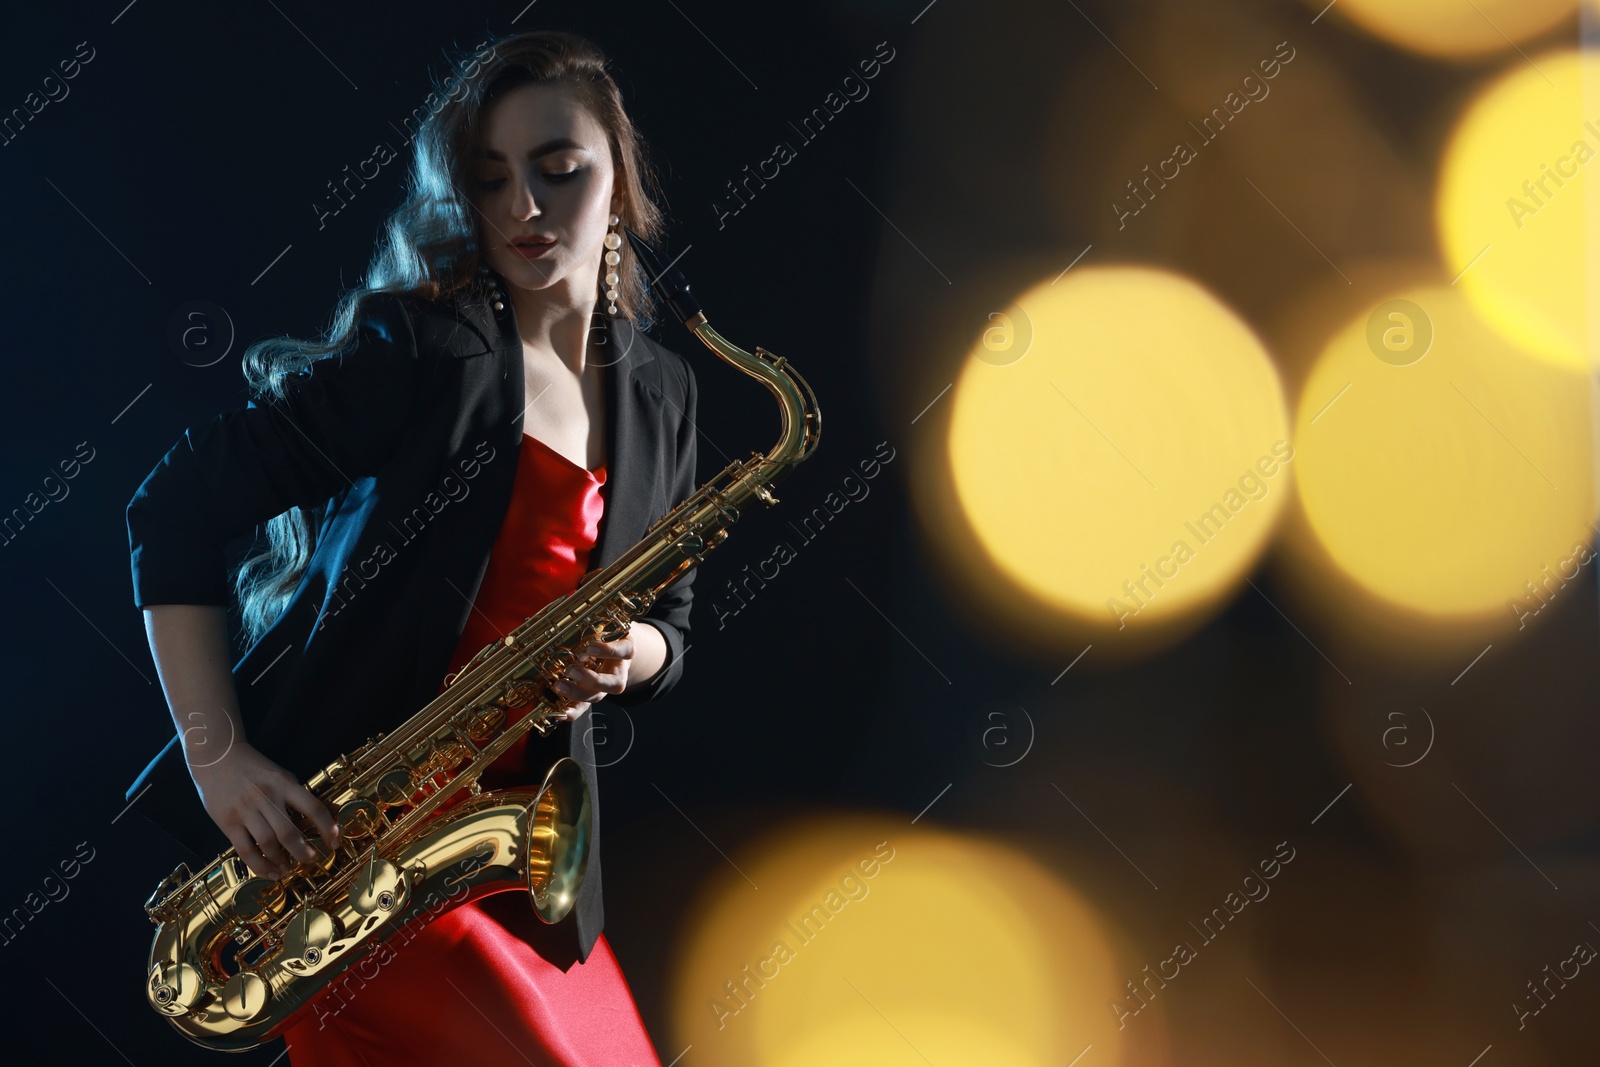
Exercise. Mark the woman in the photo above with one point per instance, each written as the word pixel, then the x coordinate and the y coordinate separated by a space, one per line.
pixel 459 449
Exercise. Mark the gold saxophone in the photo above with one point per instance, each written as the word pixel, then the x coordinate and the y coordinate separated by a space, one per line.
pixel 237 958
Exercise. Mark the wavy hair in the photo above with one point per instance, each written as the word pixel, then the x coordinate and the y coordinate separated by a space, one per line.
pixel 429 246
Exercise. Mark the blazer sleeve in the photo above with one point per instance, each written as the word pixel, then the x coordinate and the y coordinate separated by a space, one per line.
pixel 670 614
pixel 341 418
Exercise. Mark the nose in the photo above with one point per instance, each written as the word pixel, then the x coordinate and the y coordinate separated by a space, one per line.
pixel 523 205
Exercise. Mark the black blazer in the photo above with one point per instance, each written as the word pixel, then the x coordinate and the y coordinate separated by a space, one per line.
pixel 410 440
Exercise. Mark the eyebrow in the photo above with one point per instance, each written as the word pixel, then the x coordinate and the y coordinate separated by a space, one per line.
pixel 556 145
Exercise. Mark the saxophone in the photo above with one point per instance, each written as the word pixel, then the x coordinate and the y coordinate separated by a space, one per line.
pixel 236 959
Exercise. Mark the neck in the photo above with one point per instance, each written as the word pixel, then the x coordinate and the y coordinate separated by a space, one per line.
pixel 551 320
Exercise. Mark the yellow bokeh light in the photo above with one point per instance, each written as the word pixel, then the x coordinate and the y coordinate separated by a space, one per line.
pixel 1454 27
pixel 1443 484
pixel 955 948
pixel 1512 207
pixel 1130 465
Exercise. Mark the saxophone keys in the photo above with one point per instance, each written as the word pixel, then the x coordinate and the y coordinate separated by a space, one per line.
pixel 482 722
pixel 307 939
pixel 519 694
pixel 166 902
pixel 174 988
pixel 358 819
pixel 320 863
pixel 378 887
pixel 257 899
pixel 611 629
pixel 395 787
pixel 244 995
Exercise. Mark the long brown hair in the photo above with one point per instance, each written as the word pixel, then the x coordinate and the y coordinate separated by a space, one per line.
pixel 429 246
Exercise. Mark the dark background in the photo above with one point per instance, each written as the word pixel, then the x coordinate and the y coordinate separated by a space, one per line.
pixel 188 156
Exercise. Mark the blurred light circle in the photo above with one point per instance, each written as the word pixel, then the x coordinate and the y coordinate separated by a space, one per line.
pixel 971 950
pixel 1454 27
pixel 1442 486
pixel 1511 211
pixel 1132 467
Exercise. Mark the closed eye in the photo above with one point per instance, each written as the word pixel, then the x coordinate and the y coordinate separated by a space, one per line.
pixel 557 177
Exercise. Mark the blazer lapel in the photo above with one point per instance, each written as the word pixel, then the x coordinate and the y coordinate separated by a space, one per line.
pixel 633 416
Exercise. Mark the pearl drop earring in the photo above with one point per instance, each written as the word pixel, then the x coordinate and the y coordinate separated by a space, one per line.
pixel 613 257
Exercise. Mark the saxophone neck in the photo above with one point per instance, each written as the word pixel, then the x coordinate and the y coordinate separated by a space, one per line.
pixel 797 404
pixel 802 418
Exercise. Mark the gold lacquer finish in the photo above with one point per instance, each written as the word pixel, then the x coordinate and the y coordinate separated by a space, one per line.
pixel 236 959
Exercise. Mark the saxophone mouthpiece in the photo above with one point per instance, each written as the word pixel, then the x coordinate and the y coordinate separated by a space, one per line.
pixel 667 282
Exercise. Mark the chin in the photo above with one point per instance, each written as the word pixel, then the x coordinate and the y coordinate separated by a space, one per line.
pixel 525 274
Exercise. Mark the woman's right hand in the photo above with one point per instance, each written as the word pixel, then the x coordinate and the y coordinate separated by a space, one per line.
pixel 248 797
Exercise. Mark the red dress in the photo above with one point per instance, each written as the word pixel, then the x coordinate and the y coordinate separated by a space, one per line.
pixel 466 990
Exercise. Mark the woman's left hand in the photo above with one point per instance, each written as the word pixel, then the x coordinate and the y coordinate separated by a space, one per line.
pixel 601 671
